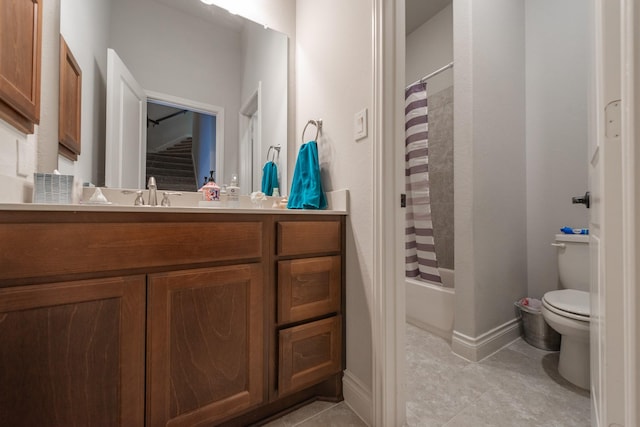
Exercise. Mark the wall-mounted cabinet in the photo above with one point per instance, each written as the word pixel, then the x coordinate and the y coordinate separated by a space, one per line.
pixel 70 103
pixel 165 319
pixel 20 58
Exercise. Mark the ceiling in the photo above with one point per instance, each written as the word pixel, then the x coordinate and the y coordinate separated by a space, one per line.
pixel 417 12
pixel 211 13
pixel 420 11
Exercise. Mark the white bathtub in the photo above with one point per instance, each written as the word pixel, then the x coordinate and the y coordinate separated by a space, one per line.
pixel 430 306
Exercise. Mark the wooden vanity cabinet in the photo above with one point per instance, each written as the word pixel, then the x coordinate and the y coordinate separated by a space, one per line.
pixel 168 319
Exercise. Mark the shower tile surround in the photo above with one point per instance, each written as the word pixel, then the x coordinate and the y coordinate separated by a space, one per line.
pixel 441 173
pixel 517 386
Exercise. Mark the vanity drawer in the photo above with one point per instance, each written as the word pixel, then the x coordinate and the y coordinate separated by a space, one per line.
pixel 69 248
pixel 308 237
pixel 308 288
pixel 309 353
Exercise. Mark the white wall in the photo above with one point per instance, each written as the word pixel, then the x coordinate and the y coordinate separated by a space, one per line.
pixel 556 59
pixel 490 185
pixel 170 132
pixel 429 48
pixel 194 60
pixel 334 81
pixel 264 59
pixel 21 155
pixel 281 16
pixel 84 24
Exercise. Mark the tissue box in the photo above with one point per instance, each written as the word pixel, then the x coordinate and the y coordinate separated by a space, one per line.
pixel 50 188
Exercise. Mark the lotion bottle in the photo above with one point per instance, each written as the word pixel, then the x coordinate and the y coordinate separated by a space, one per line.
pixel 233 191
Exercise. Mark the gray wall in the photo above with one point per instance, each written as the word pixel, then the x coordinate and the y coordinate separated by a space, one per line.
pixel 556 59
pixel 441 173
pixel 490 250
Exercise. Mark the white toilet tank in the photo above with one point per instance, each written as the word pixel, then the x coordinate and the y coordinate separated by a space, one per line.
pixel 573 261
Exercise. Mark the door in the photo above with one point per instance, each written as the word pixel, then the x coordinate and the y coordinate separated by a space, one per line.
pixel 205 344
pixel 614 364
pixel 72 353
pixel 250 143
pixel 126 144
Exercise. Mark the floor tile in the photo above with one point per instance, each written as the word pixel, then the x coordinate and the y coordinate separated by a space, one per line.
pixel 337 416
pixel 516 386
pixel 304 413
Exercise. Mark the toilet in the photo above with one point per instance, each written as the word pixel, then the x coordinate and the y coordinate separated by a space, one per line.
pixel 567 310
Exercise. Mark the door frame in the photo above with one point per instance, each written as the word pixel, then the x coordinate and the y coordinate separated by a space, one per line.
pixel 630 89
pixel 250 165
pixel 388 299
pixel 388 305
pixel 201 108
pixel 615 361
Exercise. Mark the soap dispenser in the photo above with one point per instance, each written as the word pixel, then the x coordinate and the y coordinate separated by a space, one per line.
pixel 211 190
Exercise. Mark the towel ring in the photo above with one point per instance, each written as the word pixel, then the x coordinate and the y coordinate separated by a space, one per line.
pixel 276 151
pixel 317 124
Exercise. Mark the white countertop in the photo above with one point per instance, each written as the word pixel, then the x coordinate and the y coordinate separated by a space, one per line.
pixel 160 209
pixel 337 201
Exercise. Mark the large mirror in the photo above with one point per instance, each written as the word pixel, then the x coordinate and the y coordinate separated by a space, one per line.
pixel 194 57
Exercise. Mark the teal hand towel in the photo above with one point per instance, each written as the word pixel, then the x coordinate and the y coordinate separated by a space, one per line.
pixel 269 178
pixel 306 187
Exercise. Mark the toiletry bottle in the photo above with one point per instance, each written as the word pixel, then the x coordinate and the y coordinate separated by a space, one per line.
pixel 276 198
pixel 233 191
pixel 211 190
pixel 224 195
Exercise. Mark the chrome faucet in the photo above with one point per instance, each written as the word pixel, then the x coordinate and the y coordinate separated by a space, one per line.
pixel 153 198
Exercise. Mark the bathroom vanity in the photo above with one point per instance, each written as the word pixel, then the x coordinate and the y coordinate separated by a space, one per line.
pixel 168 318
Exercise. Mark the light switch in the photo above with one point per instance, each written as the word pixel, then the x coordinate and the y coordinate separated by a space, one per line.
pixel 360 125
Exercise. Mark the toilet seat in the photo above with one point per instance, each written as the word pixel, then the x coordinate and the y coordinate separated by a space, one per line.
pixel 569 303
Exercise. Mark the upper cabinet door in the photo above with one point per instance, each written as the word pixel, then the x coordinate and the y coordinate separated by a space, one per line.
pixel 126 153
pixel 20 52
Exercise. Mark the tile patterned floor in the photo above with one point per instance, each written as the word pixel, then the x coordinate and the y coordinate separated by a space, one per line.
pixel 320 414
pixel 517 386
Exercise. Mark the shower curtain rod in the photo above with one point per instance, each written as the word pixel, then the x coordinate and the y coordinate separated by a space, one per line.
pixel 436 72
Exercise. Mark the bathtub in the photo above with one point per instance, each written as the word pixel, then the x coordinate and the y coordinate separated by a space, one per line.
pixel 430 306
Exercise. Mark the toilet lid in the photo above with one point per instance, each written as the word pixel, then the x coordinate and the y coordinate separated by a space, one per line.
pixel 570 301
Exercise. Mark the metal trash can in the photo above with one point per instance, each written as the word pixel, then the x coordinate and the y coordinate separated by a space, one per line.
pixel 536 331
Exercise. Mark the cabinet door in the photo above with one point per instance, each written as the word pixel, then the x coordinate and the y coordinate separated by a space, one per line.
pixel 205 352
pixel 309 353
pixel 72 354
pixel 20 42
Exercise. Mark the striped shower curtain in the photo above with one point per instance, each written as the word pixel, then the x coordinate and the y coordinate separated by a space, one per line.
pixel 421 259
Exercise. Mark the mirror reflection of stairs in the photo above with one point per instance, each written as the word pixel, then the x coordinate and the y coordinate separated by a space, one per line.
pixel 173 167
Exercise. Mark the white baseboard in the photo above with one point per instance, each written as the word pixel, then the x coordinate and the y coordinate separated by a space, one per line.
pixel 358 397
pixel 476 349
